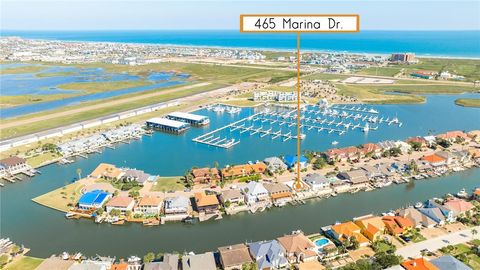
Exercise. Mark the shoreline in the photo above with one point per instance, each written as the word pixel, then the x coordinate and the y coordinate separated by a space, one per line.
pixel 249 48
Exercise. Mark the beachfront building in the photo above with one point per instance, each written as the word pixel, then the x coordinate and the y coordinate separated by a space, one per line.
pixel 292 161
pixel 234 257
pixel 205 175
pixel 268 255
pixel 167 125
pixel 371 226
pixel 107 171
pixel 13 165
pixel 149 205
pixel 206 204
pixel 120 203
pixel 408 58
pixel 275 164
pixel 279 193
pixel 205 261
pixel 236 171
pixel 93 199
pixel 232 196
pixel 255 192
pixel 347 230
pixel 298 248
pixel 192 119
pixel 417 218
pixel 397 225
pixel 177 206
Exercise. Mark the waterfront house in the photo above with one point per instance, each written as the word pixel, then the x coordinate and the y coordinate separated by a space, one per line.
pixel 371 226
pixel 357 178
pixel 93 199
pixel 340 186
pixel 342 231
pixel 448 262
pixel 178 205
pixel 298 248
pixel 279 193
pixel 434 213
pixel 386 145
pixel 431 140
pixel 317 181
pixel 458 206
pixel 205 175
pixel 232 196
pixel 396 225
pixel 233 257
pixel 173 260
pixel 343 154
pixel 449 215
pixel 138 176
pixel 149 205
pixel 372 172
pixel 403 146
pixel 107 171
pixel 447 156
pixel 13 165
pixel 418 264
pixel 474 135
pixel 206 204
pixel 435 161
pixel 291 161
pixel 371 149
pixel 243 170
pixel 418 219
pixel 422 142
pixel 268 255
pixel 255 192
pixel 205 261
pixel 275 164
pixel 120 203
pixel 452 136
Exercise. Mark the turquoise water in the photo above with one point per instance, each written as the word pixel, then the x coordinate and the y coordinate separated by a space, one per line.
pixel 30 84
pixel 437 43
pixel 47 231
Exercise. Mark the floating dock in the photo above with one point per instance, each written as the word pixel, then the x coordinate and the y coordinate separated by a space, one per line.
pixel 167 125
pixel 192 119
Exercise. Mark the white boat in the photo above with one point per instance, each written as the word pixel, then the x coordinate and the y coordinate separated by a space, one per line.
pixel 462 193
pixel 366 128
pixel 372 111
pixel 418 205
pixel 334 143
pixel 218 109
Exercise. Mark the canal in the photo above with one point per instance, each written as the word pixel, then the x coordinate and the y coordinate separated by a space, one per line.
pixel 47 231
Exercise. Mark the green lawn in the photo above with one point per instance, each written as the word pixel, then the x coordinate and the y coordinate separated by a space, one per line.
pixel 380 71
pixel 23 69
pixel 9 101
pixel 168 183
pixel 95 87
pixel 41 159
pixel 468 102
pixel 59 198
pixel 55 74
pixel 25 263
pixel 465 67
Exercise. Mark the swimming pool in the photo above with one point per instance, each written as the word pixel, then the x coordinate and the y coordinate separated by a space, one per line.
pixel 321 242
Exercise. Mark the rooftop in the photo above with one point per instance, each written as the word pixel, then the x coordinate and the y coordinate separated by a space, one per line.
pixel 167 122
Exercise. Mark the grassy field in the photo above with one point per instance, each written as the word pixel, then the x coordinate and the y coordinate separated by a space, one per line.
pixel 468 102
pixel 73 118
pixel 55 74
pixel 41 159
pixel 95 87
pixel 240 102
pixel 466 67
pixel 9 101
pixel 22 69
pixel 25 263
pixel 380 71
pixel 165 184
pixel 59 198
pixel 376 95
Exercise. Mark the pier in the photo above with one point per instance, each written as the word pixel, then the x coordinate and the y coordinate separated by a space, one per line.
pixel 192 119
pixel 167 125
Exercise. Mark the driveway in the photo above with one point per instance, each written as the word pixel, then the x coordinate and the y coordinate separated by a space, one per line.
pixel 414 250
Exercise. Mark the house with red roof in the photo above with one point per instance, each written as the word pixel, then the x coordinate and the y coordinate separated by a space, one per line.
pixel 435 160
pixel 419 264
pixel 451 136
pixel 458 206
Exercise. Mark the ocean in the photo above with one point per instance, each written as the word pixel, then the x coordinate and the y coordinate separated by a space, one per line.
pixel 461 44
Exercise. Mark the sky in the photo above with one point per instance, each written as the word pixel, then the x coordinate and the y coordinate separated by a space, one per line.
pixel 224 14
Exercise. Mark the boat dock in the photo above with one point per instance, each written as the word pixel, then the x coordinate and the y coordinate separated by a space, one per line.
pixel 192 119
pixel 167 125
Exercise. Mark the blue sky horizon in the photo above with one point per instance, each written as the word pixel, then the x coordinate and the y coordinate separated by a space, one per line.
pixel 110 15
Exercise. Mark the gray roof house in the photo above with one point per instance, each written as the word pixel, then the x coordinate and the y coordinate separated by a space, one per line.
pixel 234 256
pixel 275 164
pixel 177 205
pixel 449 262
pixel 232 196
pixel 268 254
pixel 449 214
pixel 356 177
pixel 316 181
pixel 136 175
pixel 417 217
pixel 204 261
pixel 434 213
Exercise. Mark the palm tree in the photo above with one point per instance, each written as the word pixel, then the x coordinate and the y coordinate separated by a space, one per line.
pixel 79 173
pixel 474 232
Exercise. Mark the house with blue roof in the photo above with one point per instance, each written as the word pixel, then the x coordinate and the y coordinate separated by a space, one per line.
pixel 449 214
pixel 291 161
pixel 434 213
pixel 448 262
pixel 268 254
pixel 93 199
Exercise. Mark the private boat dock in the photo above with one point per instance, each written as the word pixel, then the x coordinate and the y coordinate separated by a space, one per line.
pixel 192 119
pixel 167 125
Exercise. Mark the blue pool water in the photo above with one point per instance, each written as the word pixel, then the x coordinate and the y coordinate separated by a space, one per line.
pixel 321 242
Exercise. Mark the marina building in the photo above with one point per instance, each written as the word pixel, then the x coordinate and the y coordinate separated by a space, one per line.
pixel 192 119
pixel 167 125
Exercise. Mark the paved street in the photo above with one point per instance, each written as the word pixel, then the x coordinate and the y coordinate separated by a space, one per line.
pixel 413 250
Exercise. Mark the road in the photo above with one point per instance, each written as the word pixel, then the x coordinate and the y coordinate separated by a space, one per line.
pixel 414 250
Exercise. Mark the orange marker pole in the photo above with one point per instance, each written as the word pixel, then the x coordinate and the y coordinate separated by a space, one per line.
pixel 297 182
